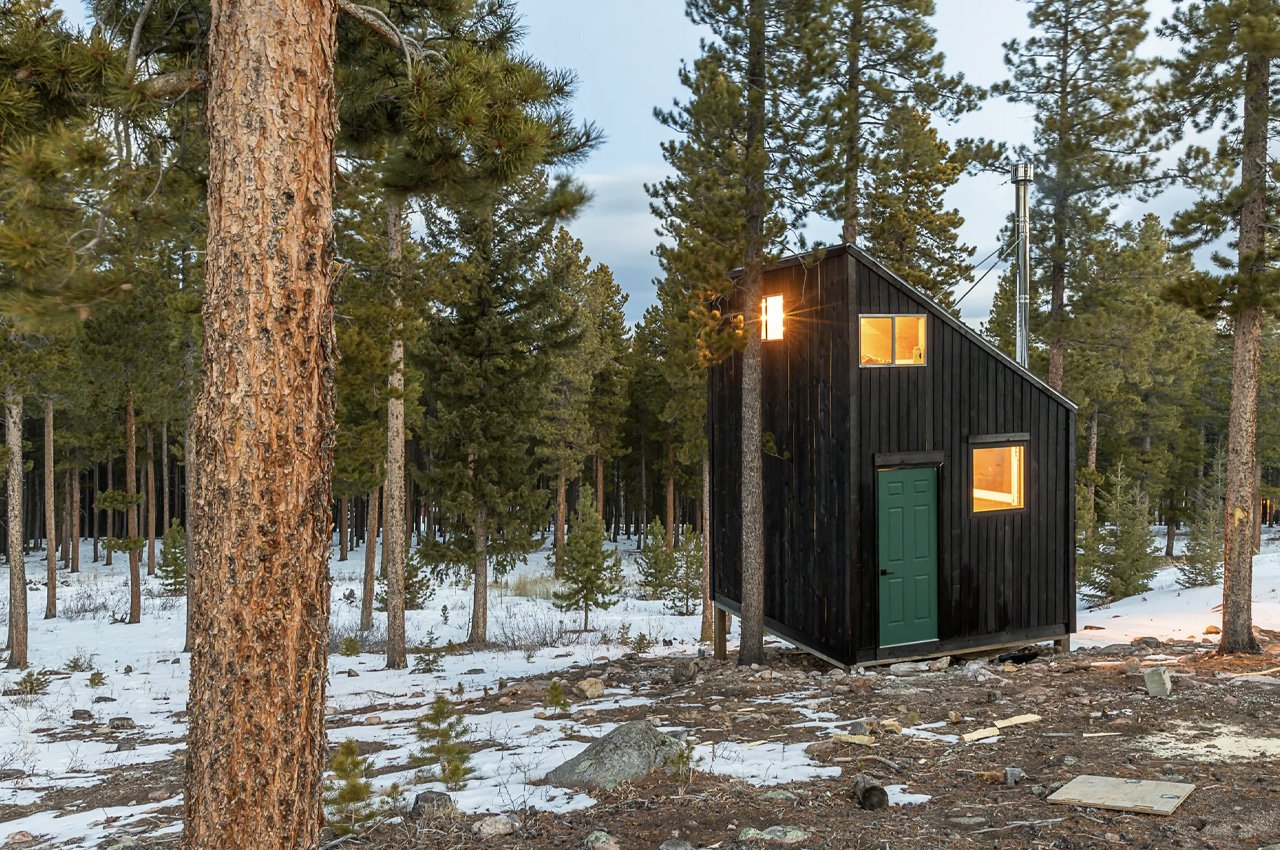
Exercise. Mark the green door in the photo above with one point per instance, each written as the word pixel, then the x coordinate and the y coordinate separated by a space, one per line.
pixel 907 502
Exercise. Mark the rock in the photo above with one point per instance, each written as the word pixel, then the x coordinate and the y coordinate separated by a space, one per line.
pixel 600 840
pixel 780 796
pixel 910 668
pixel 19 837
pixel 494 825
pixel 121 724
pixel 373 720
pixel 994 696
pixel 684 672
pixel 431 803
pixel 1132 666
pixel 1151 642
pixel 352 674
pixel 1116 649
pixel 629 752
pixel 474 671
pixel 590 688
pixel 11 773
pixel 81 714
pixel 157 796
pixel 1013 775
pixel 938 664
pixel 128 668
pixel 1158 682
pixel 504 701
pixel 675 844
pixel 1212 630
pixel 97 700
pixel 967 820
pixel 126 746
pixel 892 727
pixel 955 717
pixel 774 835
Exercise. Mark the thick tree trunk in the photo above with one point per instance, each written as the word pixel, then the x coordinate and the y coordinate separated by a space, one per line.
pixel 704 522
pixel 51 560
pixel 151 505
pixel 1171 534
pixel 393 536
pixel 344 510
pixel 190 472
pixel 17 565
pixel 75 521
pixel 131 512
pixel 370 562
pixel 479 634
pixel 264 426
pixel 751 648
pixel 562 511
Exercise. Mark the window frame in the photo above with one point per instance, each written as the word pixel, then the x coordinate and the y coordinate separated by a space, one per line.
pixel 893 340
pixel 999 441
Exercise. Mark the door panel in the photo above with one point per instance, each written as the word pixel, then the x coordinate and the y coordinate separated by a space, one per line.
pixel 907 503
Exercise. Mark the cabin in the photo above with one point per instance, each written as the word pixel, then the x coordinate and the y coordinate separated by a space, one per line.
pixel 918 483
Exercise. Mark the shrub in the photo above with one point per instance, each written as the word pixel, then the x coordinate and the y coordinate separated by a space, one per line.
pixel 32 684
pixel 81 662
pixel 97 679
pixel 555 698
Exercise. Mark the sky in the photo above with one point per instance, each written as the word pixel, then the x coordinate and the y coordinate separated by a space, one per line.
pixel 626 55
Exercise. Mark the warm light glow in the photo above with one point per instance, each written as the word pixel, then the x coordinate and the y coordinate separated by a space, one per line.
pixel 892 340
pixel 998 479
pixel 771 317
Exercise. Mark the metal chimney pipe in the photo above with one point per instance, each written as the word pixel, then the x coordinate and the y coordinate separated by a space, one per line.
pixel 1022 174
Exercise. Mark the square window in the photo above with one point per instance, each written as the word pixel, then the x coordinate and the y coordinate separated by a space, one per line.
pixel 771 317
pixel 892 340
pixel 998 479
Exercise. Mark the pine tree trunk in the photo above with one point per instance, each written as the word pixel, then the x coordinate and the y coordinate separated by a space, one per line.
pixel 853 118
pixel 109 514
pixel 599 485
pixel 642 525
pixel 370 561
pixel 344 509
pixel 97 488
pixel 131 512
pixel 1057 293
pixel 151 505
pixel 190 472
pixel 75 521
pixel 393 537
pixel 671 497
pixel 704 511
pixel 751 647
pixel 17 564
pixel 479 634
pixel 1171 533
pixel 1257 515
pixel 65 533
pixel 264 425
pixel 562 510
pixel 1091 464
pixel 51 560
pixel 164 477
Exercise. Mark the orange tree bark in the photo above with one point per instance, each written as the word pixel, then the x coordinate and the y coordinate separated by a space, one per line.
pixel 393 509
pixel 264 426
pixel 17 566
pixel 51 558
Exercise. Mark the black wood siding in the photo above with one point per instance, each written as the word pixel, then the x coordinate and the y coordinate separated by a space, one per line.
pixel 1000 576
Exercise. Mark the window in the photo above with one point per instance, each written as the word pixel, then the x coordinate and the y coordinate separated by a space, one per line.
pixel 998 479
pixel 892 340
pixel 771 317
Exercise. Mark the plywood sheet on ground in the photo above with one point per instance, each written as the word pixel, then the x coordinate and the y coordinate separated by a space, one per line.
pixel 1126 795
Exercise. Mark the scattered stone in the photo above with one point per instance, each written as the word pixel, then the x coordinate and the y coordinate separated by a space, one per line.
pixel 1013 775
pixel 684 672
pixel 19 837
pixel 430 804
pixel 11 773
pixel 675 844
pixel 81 714
pixel 1213 630
pixel 994 696
pixel 121 724
pixel 893 727
pixel 629 752
pixel 939 664
pixel 774 835
pixel 474 671
pixel 590 688
pixel 911 668
pixel 1151 642
pixel 504 701
pixel 128 668
pixel 352 674
pixel 97 700
pixel 1132 666
pixel 600 840
pixel 955 717
pixel 494 825
pixel 157 796
pixel 1158 682
pixel 373 720
pixel 780 796
pixel 126 746
pixel 967 820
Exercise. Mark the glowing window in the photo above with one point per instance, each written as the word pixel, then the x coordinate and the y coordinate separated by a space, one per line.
pixel 892 340
pixel 771 317
pixel 998 479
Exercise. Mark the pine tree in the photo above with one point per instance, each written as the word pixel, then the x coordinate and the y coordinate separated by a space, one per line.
pixel 172 569
pixel 656 561
pixel 591 576
pixel 1081 74
pixel 684 585
pixel 441 731
pixel 1220 82
pixel 349 798
pixel 1202 565
pixel 1124 563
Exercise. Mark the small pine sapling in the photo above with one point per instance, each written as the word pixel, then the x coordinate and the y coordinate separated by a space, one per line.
pixel 441 731
pixel 555 698
pixel 1207 543
pixel 656 561
pixel 349 646
pixel 591 576
pixel 97 679
pixel 1125 560
pixel 349 797
pixel 32 684
pixel 683 591
pixel 172 569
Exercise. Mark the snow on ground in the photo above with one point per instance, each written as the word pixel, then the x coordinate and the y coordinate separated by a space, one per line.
pixel 42 751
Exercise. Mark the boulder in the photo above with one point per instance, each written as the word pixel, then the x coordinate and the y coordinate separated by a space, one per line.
pixel 600 840
pixel 430 804
pixel 121 724
pixel 684 672
pixel 631 751
pixel 81 714
pixel 590 688
pixel 493 825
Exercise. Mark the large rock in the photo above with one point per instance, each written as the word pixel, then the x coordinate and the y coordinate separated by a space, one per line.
pixel 631 751
pixel 494 825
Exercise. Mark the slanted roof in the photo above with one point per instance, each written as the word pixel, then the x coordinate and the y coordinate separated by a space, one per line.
pixel 937 310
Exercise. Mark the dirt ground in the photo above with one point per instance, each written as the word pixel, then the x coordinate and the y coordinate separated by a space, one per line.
pixel 1218 730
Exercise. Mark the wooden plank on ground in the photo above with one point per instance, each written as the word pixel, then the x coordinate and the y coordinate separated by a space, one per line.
pixel 1125 795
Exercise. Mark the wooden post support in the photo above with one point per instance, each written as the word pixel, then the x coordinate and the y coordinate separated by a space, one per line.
pixel 1063 644
pixel 719 634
